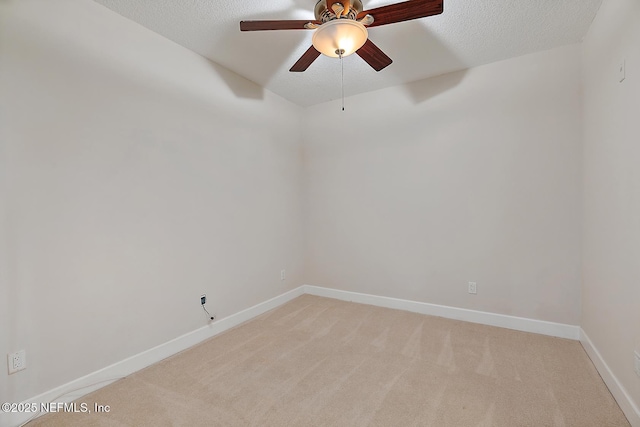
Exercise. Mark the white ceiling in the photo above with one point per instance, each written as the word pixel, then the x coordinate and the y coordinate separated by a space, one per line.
pixel 469 33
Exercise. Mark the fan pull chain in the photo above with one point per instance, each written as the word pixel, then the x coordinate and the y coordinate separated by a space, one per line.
pixel 340 52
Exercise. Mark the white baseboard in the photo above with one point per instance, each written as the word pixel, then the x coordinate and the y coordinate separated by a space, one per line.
pixel 77 388
pixel 510 322
pixel 618 391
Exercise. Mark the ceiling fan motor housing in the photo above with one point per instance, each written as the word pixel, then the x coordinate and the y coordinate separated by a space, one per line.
pixel 324 14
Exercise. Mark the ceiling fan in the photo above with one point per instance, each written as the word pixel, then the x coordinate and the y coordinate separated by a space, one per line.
pixel 341 28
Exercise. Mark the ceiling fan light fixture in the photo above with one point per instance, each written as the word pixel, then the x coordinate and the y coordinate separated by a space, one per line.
pixel 338 35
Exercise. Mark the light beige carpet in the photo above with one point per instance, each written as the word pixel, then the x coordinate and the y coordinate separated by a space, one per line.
pixel 322 362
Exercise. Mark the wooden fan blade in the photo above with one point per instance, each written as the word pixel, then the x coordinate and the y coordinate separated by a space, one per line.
pixel 404 11
pixel 305 60
pixel 374 56
pixel 275 25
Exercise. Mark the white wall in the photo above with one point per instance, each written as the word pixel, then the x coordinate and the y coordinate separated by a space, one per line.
pixel 5 308
pixel 611 271
pixel 474 176
pixel 138 175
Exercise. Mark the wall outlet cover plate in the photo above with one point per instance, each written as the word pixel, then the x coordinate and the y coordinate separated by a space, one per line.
pixel 473 288
pixel 16 361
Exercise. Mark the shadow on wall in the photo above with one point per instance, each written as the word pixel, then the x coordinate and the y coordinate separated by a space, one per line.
pixel 423 90
pixel 240 86
pixel 416 45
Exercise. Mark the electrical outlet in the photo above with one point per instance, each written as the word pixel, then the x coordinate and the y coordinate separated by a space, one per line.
pixel 637 362
pixel 17 361
pixel 203 299
pixel 473 289
pixel 283 274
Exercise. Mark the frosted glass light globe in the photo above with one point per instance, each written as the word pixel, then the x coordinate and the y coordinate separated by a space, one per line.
pixel 340 34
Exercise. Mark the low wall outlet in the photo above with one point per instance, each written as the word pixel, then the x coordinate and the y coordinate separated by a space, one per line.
pixel 636 356
pixel 16 361
pixel 473 289
pixel 283 274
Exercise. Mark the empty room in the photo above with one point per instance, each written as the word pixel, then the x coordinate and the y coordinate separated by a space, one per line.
pixel 320 213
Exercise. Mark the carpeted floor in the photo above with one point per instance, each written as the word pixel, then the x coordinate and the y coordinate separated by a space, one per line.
pixel 322 362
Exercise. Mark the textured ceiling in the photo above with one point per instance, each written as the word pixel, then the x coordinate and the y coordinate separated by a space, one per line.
pixel 467 34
